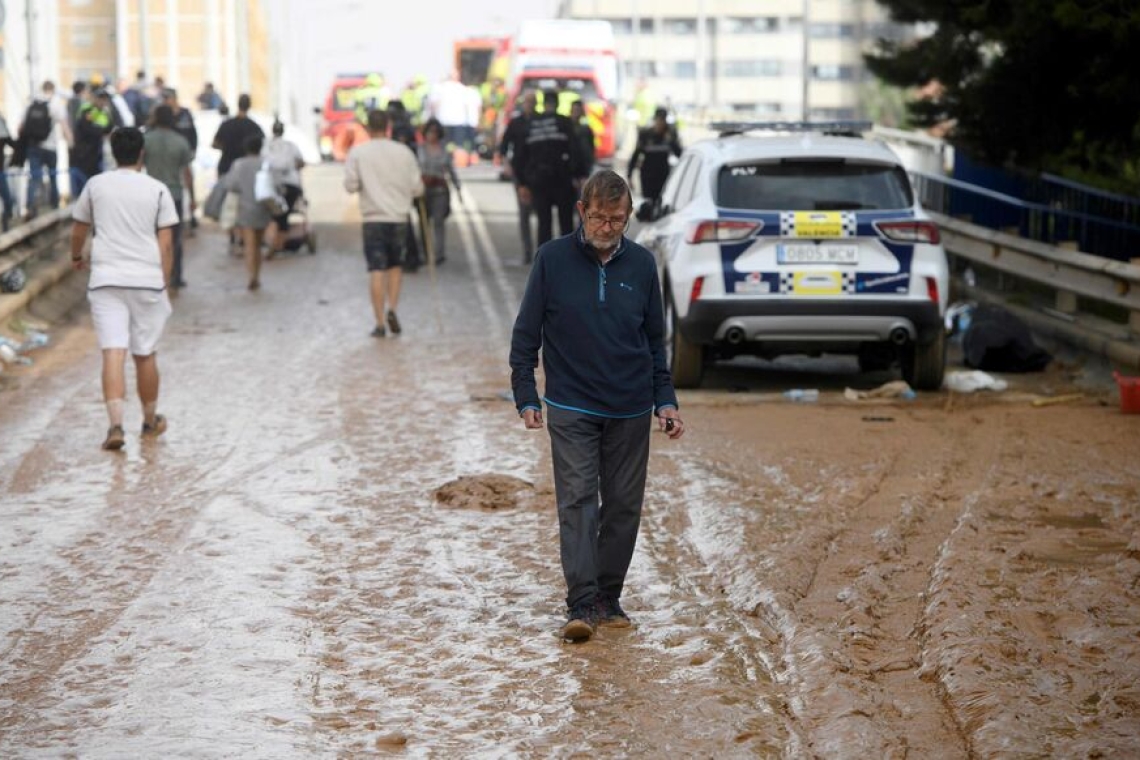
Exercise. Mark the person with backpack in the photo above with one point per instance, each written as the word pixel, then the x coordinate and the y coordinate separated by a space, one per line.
pixel 138 98
pixel 45 114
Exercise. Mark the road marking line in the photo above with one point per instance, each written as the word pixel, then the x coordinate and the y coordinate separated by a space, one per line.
pixel 475 218
pixel 478 277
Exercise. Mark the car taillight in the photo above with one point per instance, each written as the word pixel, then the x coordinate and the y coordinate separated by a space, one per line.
pixel 932 289
pixel 698 286
pixel 910 231
pixel 721 230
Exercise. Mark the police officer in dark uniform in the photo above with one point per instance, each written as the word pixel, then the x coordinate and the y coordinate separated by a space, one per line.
pixel 513 137
pixel 655 144
pixel 547 163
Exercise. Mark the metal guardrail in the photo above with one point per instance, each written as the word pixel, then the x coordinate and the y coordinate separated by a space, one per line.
pixel 40 246
pixel 1036 221
pixel 31 239
pixel 1068 273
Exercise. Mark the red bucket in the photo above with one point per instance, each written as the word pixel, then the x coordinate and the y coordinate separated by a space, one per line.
pixel 1129 393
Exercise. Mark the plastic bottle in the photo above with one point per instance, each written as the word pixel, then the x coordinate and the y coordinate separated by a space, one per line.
pixel 34 339
pixel 802 395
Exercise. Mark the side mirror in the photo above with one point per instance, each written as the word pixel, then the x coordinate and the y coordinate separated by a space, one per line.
pixel 317 110
pixel 645 211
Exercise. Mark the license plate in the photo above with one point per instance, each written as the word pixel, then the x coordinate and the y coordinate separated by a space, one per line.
pixel 807 253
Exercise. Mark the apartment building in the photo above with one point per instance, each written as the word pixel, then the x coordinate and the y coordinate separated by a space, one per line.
pixel 748 58
pixel 186 42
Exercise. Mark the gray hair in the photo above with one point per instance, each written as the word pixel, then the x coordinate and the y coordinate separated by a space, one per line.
pixel 606 187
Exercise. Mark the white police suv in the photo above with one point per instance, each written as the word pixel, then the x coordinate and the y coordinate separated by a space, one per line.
pixel 797 238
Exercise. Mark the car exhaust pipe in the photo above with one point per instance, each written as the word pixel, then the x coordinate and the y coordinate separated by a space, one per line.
pixel 900 336
pixel 734 336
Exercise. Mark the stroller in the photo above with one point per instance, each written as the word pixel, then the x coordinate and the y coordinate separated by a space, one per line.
pixel 299 232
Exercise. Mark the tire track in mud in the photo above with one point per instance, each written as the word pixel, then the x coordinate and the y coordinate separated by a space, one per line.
pixel 113 533
pixel 782 540
pixel 428 620
pixel 1037 654
pixel 439 626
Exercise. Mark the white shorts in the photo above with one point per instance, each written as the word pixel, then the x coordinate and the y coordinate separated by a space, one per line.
pixel 129 318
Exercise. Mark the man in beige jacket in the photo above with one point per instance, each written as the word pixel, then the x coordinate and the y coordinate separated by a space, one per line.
pixel 387 176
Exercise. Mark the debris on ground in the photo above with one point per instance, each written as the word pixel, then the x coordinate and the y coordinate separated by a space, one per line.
pixel 12 351
pixel 968 381
pixel 490 492
pixel 893 389
pixel 997 341
pixel 1053 400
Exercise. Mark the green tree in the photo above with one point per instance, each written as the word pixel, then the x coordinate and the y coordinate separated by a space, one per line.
pixel 1042 84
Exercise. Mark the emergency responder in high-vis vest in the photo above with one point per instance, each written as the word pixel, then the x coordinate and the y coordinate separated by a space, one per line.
pixel 372 95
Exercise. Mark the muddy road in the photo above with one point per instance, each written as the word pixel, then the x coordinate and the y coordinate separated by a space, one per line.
pixel 347 547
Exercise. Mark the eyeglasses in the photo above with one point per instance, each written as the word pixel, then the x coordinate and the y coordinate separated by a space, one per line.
pixel 614 223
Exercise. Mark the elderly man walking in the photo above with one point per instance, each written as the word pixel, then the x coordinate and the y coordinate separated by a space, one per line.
pixel 593 306
pixel 387 176
pixel 131 258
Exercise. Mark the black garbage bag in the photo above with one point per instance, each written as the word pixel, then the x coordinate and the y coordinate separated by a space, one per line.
pixel 13 280
pixel 997 341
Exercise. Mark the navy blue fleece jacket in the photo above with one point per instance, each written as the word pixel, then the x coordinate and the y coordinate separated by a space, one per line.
pixel 600 329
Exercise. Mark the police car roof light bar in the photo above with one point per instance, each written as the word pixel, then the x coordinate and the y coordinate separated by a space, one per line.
pixel 852 128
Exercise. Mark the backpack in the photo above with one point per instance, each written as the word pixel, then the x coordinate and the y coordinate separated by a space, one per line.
pixel 37 122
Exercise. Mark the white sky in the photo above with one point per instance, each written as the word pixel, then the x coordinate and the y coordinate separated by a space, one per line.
pixel 399 38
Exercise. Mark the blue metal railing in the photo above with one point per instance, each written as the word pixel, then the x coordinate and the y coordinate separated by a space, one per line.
pixel 1044 222
pixel 1059 192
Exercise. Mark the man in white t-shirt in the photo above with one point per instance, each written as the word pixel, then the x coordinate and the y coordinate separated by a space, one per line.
pixel 133 217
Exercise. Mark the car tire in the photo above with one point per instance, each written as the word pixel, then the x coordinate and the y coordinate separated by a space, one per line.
pixel 686 360
pixel 924 366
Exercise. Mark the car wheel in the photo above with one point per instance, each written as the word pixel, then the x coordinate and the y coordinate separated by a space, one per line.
pixel 686 360
pixel 923 366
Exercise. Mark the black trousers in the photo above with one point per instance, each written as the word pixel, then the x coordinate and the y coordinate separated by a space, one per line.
pixel 653 182
pixel 599 484
pixel 544 200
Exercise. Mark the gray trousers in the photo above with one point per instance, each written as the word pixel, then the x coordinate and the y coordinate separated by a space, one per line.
pixel 597 456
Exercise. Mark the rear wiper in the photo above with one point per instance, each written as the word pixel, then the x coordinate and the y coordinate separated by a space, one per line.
pixel 838 206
